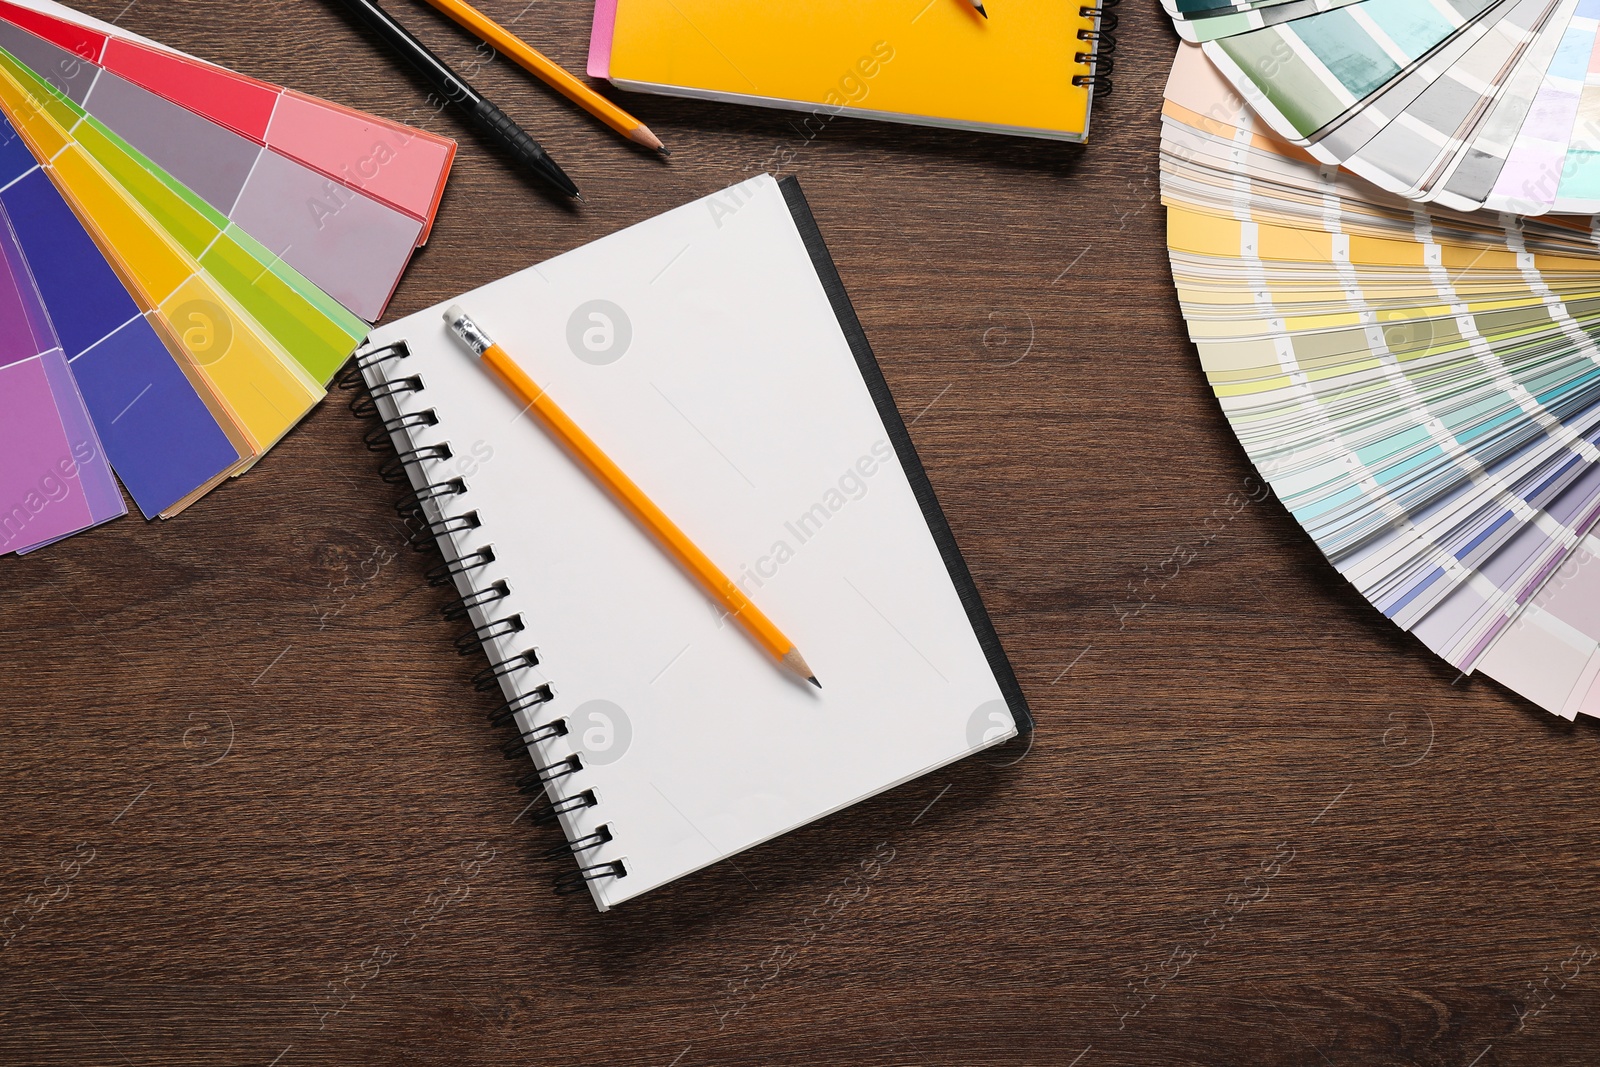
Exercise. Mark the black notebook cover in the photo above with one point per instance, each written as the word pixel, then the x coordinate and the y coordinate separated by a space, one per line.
pixel 872 374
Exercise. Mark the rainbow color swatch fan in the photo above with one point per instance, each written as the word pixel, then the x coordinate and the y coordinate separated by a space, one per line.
pixel 1420 386
pixel 187 256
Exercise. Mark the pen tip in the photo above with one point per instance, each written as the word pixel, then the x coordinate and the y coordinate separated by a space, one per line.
pixel 813 681
pixel 579 197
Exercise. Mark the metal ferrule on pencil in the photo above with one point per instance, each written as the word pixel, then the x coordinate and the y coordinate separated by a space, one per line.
pixel 468 331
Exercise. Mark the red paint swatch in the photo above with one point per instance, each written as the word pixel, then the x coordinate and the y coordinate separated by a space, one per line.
pixel 242 104
pixel 400 165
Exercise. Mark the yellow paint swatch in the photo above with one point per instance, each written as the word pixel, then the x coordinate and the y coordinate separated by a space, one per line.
pixel 264 390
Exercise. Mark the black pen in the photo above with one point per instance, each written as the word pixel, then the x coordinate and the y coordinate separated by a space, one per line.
pixel 448 84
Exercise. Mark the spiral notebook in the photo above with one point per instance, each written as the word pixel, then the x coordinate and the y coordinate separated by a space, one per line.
pixel 712 352
pixel 1032 70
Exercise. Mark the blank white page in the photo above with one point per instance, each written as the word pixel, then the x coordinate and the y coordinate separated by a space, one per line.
pixel 738 406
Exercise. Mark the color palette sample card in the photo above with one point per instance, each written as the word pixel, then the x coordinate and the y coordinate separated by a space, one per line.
pixel 194 254
pixel 1491 104
pixel 1421 386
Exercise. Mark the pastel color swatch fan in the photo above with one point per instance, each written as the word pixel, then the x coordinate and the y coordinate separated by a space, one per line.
pixel 1421 385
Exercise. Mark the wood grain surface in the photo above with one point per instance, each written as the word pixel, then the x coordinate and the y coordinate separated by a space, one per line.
pixel 1256 824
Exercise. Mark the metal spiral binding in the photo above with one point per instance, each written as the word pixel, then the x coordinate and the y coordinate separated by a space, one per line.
pixel 445 573
pixel 577 881
pixel 461 607
pixel 550 810
pixel 382 437
pixel 366 405
pixel 518 746
pixel 393 469
pixel 488 679
pixel 478 638
pixel 355 377
pixel 410 505
pixel 427 534
pixel 580 844
pixel 508 711
pixel 1100 56
pixel 535 780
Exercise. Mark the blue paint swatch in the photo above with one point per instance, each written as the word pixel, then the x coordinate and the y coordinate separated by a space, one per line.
pixel 161 438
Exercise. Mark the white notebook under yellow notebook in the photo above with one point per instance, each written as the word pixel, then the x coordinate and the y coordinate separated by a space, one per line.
pixel 712 352
pixel 1031 68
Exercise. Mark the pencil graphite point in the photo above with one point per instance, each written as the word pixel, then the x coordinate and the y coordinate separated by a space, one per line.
pixel 795 662
pixel 642 135
pixel 979 5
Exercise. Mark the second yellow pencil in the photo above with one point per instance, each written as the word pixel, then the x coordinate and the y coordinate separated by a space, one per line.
pixel 550 72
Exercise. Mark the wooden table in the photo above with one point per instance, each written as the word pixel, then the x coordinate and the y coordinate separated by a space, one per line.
pixel 243 734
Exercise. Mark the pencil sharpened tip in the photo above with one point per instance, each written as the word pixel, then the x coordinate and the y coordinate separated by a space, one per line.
pixel 794 662
pixel 642 135
pixel 978 6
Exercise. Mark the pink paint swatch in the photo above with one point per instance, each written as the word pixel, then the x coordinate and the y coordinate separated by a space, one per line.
pixel 340 142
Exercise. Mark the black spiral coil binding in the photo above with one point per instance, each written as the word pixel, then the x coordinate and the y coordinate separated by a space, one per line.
pixel 356 376
pixel 518 746
pixel 488 679
pixel 1102 44
pixel 548 810
pixel 425 535
pixel 410 505
pixel 461 607
pixel 528 701
pixel 478 638
pixel 381 438
pixel 366 405
pixel 577 881
pixel 580 844
pixel 393 469
pixel 535 780
pixel 422 501
pixel 445 573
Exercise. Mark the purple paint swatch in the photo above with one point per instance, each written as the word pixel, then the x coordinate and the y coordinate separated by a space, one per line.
pixel 39 501
pixel 93 469
pixel 162 439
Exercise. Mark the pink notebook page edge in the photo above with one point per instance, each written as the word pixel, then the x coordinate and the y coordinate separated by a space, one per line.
pixel 605 21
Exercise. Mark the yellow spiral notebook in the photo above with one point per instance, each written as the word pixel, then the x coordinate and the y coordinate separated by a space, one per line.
pixel 1030 69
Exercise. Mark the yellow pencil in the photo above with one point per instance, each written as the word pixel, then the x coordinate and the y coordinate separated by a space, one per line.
pixel 551 73
pixel 629 495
